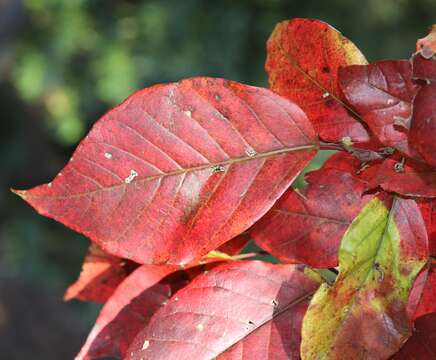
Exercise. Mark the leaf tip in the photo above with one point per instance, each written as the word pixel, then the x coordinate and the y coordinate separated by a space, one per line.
pixel 21 193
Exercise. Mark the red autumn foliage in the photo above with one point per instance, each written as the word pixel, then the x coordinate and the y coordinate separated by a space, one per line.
pixel 423 125
pixel 101 274
pixel 239 300
pixel 171 185
pixel 382 94
pixel 306 225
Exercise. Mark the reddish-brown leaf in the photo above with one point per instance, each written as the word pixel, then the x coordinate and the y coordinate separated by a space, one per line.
pixel 423 127
pixel 178 169
pixel 304 56
pixel 424 69
pixel 416 293
pixel 410 178
pixel 134 302
pixel 234 246
pixel 240 310
pixel 382 94
pixel 127 311
pixel 346 162
pixel 428 212
pixel 306 226
pixel 101 274
pixel 427 302
pixel 422 344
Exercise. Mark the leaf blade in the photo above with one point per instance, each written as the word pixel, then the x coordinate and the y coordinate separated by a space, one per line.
pixel 306 225
pixel 382 93
pixel 178 169
pixel 372 287
pixel 236 300
pixel 303 58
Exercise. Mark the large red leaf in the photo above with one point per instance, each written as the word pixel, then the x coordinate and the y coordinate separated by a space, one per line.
pixel 178 169
pixel 423 126
pixel 422 344
pixel 411 178
pixel 382 94
pixel 304 56
pixel 101 274
pixel 242 310
pixel 306 226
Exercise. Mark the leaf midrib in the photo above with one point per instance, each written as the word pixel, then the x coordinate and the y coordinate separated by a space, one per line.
pixel 238 160
pixel 269 318
pixel 352 303
pixel 294 63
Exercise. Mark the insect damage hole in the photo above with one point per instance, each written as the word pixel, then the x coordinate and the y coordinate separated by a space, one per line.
pixel 145 345
pixel 250 152
pixel 200 327
pixel 399 166
pixel 108 155
pixel 218 168
pixel 250 325
pixel 132 176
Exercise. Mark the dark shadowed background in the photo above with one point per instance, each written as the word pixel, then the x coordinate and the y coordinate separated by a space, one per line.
pixel 63 63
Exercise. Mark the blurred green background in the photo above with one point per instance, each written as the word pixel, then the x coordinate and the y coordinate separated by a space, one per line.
pixel 64 63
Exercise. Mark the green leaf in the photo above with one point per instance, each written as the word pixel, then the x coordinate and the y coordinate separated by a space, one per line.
pixel 363 315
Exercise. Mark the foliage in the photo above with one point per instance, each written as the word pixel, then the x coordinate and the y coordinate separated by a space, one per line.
pixel 180 172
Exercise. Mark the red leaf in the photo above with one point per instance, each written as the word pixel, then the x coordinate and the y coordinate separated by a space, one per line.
pixel 382 94
pixel 178 169
pixel 424 69
pixel 428 212
pixel 416 293
pixel 236 307
pixel 235 245
pixel 345 162
pixel 130 308
pixel 423 128
pixel 422 344
pixel 304 56
pixel 134 302
pixel 100 276
pixel 280 339
pixel 427 303
pixel 307 226
pixel 411 178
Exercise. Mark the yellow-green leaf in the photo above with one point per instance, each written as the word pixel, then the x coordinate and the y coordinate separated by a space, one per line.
pixel 363 315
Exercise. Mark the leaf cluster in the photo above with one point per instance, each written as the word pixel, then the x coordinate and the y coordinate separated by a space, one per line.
pixel 173 183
